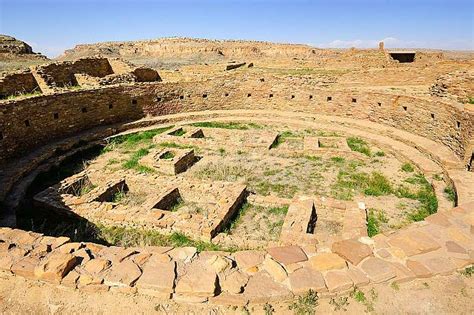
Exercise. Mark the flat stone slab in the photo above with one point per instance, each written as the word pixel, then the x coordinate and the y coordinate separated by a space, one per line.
pixel 55 267
pixel 198 281
pixel 352 250
pixel 249 259
pixel 261 288
pixel 413 242
pixel 338 280
pixel 158 276
pixel 378 270
pixel 287 254
pixel 125 273
pixel 327 261
pixel 305 279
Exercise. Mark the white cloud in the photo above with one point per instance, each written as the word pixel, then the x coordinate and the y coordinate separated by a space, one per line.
pixel 50 51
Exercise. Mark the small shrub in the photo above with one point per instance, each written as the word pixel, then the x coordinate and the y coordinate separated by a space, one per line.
pixel 339 303
pixel 372 224
pixel 379 153
pixel 358 145
pixel 468 271
pixel 407 167
pixel 450 193
pixel 306 304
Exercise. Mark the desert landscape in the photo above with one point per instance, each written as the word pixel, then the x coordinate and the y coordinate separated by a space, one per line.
pixel 182 175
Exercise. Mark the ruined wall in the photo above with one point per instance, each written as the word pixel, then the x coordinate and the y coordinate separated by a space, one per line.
pixel 18 83
pixel 28 123
pixel 62 74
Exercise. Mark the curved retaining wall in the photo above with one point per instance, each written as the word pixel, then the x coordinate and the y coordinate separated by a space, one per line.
pixel 29 123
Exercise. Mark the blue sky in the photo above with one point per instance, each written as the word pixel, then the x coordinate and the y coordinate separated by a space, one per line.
pixel 51 26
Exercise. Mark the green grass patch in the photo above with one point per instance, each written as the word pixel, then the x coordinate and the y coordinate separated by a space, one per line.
pixel 425 195
pixel 358 145
pixel 23 95
pixel 349 183
pixel 374 220
pixel 471 100
pixel 278 210
pixel 450 193
pixel 132 162
pixel 227 125
pixel 132 140
pixel 379 153
pixel 407 167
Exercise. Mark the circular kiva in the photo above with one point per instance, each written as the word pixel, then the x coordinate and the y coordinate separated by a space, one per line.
pixel 164 144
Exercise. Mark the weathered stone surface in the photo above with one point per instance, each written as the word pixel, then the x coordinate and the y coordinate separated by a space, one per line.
pixel 454 247
pixel 124 273
pixel 305 279
pixel 55 267
pixel 25 267
pixel 358 277
pixel 70 280
pixel 436 263
pixel 249 259
pixel 438 219
pixel 185 254
pixel 287 254
pixel 219 263
pixel 327 261
pixel 116 254
pixel 420 270
pixel 274 269
pixel 158 277
pixel 234 282
pixel 96 266
pixel 377 269
pixel 70 247
pixel 404 274
pixel 261 288
pixel 352 250
pixel 413 242
pixel 337 281
pixel 199 280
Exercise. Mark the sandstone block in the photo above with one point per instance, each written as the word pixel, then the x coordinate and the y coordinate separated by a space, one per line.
pixel 337 281
pixel 158 278
pixel 233 283
pixel 305 279
pixel 262 288
pixel 248 259
pixel 327 261
pixel 287 254
pixel 420 270
pixel 274 269
pixel 125 273
pixel 352 250
pixel 198 281
pixel 55 267
pixel 378 270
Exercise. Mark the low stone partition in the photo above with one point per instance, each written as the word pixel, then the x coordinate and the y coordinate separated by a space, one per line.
pixel 440 245
pixel 17 83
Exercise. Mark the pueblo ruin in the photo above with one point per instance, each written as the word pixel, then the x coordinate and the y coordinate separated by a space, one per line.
pixel 235 175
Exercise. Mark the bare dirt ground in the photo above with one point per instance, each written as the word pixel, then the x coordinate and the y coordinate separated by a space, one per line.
pixel 439 295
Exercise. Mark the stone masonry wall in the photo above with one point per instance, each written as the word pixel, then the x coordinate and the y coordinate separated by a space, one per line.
pixel 18 83
pixel 62 74
pixel 28 123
